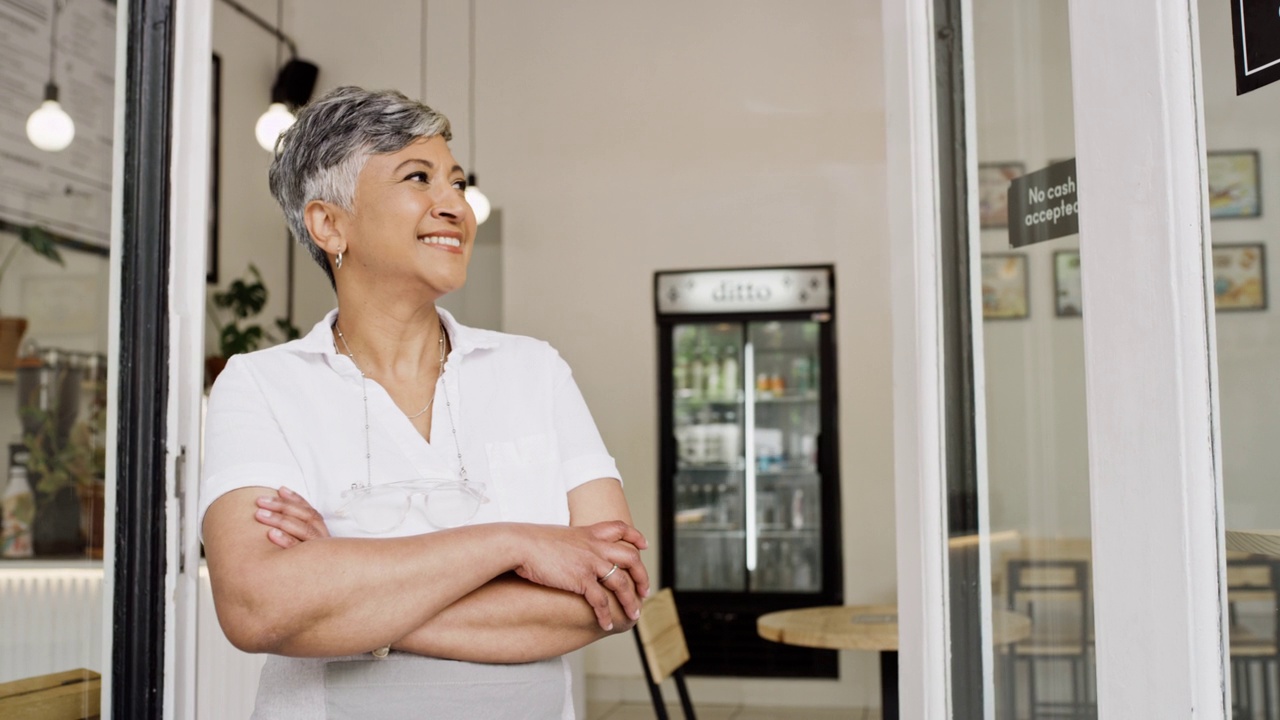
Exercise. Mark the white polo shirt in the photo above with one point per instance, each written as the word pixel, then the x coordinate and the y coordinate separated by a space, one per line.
pixel 293 415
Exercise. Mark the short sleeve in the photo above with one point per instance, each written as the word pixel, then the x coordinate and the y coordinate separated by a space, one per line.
pixel 244 444
pixel 583 456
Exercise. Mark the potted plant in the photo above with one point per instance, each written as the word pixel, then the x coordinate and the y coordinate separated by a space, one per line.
pixel 67 473
pixel 12 328
pixel 233 312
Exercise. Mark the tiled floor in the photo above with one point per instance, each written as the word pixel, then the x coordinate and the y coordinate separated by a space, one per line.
pixel 634 711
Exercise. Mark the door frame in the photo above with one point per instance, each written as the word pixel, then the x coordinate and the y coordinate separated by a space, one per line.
pixel 1151 375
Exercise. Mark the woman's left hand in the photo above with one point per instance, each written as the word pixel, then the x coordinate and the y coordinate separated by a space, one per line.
pixel 292 520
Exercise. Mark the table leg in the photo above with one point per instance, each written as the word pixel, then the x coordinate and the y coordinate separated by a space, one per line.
pixel 889 684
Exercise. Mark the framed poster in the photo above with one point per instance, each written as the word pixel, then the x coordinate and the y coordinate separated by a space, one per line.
pixel 993 192
pixel 1234 184
pixel 1240 277
pixel 1004 286
pixel 1066 284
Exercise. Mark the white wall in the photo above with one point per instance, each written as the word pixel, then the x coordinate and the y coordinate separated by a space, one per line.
pixel 623 139
pixel 1248 342
pixel 1034 367
pixel 1037 450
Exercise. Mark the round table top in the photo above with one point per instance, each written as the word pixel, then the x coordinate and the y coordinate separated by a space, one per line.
pixel 862 627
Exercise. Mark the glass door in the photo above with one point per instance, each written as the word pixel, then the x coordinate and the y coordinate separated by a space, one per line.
pixel 1059 466
pixel 783 483
pixel 710 473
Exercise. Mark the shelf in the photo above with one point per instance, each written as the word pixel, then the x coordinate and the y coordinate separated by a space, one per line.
pixel 739 467
pixel 807 397
pixel 20 565
pixel 709 532
pixel 761 399
pixel 784 533
pixel 712 467
pixel 687 396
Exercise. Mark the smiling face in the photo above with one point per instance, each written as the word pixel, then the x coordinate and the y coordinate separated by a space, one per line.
pixel 411 230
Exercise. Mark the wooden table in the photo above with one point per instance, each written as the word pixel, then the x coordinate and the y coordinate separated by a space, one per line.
pixel 1257 542
pixel 866 627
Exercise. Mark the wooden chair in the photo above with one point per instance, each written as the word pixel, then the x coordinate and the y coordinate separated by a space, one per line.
pixel 663 651
pixel 1255 657
pixel 1061 634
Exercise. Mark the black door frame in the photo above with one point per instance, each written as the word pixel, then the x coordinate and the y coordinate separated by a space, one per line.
pixel 138 603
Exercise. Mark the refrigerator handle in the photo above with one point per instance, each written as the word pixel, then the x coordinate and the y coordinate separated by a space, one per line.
pixel 749 445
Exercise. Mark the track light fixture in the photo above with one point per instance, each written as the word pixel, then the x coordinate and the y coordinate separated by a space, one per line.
pixel 479 202
pixel 50 128
pixel 294 83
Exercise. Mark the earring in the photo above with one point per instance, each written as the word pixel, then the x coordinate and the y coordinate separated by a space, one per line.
pixel 339 262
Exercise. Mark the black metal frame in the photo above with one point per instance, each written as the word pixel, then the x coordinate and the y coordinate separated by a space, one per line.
pixel 1246 668
pixel 138 605
pixel 655 689
pixel 1081 706
pixel 727 620
pixel 964 594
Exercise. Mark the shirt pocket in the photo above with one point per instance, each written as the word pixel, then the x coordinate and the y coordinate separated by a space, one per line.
pixel 525 475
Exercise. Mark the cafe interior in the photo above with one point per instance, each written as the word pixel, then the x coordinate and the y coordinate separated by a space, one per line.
pixel 614 143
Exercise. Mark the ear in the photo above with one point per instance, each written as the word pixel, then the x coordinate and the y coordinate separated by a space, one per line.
pixel 324 222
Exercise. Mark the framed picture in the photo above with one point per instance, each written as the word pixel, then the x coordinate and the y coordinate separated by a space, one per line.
pixel 1004 286
pixel 1233 184
pixel 1066 283
pixel 1240 277
pixel 215 141
pixel 993 192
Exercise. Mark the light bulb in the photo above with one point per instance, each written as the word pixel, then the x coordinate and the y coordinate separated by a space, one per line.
pixel 272 124
pixel 478 202
pixel 50 127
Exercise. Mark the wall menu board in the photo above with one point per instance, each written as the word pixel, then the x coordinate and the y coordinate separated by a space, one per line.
pixel 67 192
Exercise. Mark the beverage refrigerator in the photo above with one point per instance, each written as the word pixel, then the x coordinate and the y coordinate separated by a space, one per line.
pixel 749 496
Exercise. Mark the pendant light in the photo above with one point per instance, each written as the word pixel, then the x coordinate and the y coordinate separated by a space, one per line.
pixel 292 89
pixel 50 128
pixel 479 203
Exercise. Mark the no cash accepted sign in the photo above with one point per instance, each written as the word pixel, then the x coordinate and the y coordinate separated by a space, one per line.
pixel 1043 205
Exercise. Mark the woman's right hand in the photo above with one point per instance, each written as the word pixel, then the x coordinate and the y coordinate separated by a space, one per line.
pixel 575 559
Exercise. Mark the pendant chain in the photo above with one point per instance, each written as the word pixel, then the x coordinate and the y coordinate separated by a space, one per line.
pixel 364 397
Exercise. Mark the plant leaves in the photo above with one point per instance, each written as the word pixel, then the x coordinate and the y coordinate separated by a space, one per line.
pixel 39 240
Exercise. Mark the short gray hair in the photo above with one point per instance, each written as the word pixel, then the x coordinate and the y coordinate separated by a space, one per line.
pixel 322 154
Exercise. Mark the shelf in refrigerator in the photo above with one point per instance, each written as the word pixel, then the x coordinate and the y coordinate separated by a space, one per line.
pixel 719 531
pixel 801 397
pixel 710 467
pixel 787 470
pixel 691 397
pixel 772 533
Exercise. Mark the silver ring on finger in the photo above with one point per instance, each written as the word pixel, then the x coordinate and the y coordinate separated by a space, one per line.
pixel 608 574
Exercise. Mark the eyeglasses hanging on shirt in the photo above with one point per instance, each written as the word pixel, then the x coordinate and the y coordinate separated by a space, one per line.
pixel 379 509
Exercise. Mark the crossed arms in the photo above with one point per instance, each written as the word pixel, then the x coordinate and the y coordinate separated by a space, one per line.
pixel 499 593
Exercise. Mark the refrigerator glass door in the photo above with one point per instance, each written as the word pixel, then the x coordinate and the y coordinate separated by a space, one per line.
pixel 782 480
pixel 707 377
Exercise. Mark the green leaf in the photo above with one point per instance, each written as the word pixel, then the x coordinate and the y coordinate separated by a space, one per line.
pixel 288 329
pixel 39 240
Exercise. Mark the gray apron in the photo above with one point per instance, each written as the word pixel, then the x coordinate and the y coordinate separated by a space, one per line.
pixel 403 686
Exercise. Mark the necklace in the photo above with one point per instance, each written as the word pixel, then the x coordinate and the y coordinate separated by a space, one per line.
pixel 364 397
pixel 439 367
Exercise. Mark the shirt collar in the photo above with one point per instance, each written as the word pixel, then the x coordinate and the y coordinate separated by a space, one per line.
pixel 464 339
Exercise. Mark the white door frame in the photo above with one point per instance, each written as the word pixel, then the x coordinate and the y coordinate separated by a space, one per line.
pixel 1151 384
pixel 189 209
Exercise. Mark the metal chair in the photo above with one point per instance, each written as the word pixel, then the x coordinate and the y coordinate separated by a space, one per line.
pixel 1255 655
pixel 1062 634
pixel 663 651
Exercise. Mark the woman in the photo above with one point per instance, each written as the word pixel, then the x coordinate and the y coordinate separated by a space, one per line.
pixel 448 522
